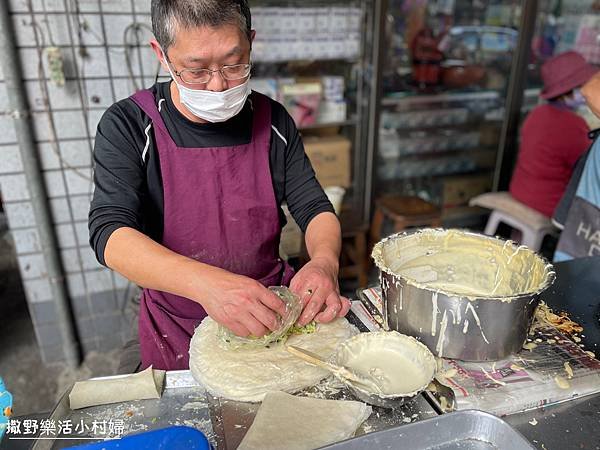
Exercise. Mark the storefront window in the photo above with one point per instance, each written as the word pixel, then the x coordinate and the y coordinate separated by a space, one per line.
pixel 445 80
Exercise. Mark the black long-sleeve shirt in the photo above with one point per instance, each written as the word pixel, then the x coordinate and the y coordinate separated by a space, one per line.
pixel 128 184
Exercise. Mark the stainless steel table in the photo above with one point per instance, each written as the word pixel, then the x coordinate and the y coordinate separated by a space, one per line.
pixel 224 422
pixel 571 425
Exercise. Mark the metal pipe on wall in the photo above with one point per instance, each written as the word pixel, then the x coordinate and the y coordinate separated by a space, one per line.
pixel 508 146
pixel 17 101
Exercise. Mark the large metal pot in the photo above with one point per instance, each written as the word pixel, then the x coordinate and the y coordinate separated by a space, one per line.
pixel 465 296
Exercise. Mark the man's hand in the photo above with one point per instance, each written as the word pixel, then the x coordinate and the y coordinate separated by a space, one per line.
pixel 591 92
pixel 241 304
pixel 316 284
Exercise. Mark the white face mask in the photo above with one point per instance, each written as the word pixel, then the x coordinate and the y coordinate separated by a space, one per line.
pixel 213 106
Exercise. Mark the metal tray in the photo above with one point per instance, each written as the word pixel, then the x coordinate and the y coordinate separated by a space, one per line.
pixel 465 430
pixel 183 402
pixel 224 422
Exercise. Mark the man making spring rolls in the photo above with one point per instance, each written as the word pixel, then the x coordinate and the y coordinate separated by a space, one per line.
pixel 190 176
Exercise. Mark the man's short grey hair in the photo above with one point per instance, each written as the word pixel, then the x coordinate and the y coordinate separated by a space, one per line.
pixel 168 15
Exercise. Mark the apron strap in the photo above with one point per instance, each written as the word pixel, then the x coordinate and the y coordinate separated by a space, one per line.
pixel 261 126
pixel 147 102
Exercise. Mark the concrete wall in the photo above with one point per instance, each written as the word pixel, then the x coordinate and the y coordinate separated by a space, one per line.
pixel 91 43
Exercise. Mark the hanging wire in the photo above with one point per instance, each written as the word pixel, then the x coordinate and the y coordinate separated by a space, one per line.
pixel 104 40
pixel 46 102
pixel 82 90
pixel 39 41
pixel 73 9
pixel 128 299
pixel 136 43
pixel 134 28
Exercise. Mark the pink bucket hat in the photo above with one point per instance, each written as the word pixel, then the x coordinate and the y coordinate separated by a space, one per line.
pixel 565 72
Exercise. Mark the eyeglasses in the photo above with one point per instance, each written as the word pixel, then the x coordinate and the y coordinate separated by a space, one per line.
pixel 203 76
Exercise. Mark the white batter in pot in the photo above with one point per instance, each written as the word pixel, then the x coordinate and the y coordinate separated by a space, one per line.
pixel 465 264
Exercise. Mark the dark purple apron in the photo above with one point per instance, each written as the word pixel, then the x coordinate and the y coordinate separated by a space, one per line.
pixel 219 209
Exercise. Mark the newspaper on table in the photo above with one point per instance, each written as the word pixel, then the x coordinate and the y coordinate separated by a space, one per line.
pixel 553 369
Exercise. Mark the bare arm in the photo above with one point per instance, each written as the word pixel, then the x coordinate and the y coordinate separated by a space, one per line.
pixel 238 302
pixel 317 282
pixel 324 239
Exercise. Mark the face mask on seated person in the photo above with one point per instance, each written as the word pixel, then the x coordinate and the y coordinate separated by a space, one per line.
pixel 575 101
pixel 212 106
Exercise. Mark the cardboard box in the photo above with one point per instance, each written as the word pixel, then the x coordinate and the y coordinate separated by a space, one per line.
pixel 330 157
pixel 490 135
pixel 459 190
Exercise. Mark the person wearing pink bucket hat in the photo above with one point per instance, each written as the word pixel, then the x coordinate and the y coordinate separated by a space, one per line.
pixel 553 136
pixel 564 73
